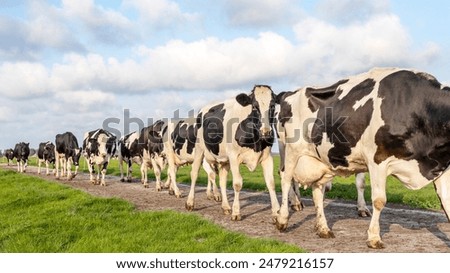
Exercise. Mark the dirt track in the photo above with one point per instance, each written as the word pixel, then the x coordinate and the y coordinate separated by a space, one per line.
pixel 403 229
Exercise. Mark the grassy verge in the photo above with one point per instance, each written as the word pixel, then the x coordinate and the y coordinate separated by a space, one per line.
pixel 40 216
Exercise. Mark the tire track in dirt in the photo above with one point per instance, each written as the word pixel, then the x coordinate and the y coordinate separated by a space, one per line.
pixel 403 229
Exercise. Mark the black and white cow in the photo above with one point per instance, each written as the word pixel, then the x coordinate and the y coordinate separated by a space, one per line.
pixel 386 121
pixel 149 146
pixel 179 146
pixel 21 153
pixel 67 152
pixel 128 153
pixel 294 193
pixel 9 154
pixel 98 148
pixel 234 132
pixel 46 153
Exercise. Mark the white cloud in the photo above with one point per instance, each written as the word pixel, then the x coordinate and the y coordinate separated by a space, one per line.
pixel 23 79
pixel 328 51
pixel 160 13
pixel 348 11
pixel 264 13
pixel 105 25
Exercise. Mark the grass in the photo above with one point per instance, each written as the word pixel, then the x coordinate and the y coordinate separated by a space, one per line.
pixel 39 216
pixel 343 187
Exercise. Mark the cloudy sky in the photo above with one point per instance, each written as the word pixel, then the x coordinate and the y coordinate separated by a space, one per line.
pixel 83 64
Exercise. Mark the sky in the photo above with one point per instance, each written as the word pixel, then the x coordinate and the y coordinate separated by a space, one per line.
pixel 83 64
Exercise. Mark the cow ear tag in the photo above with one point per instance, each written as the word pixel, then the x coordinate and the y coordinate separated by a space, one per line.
pixel 243 99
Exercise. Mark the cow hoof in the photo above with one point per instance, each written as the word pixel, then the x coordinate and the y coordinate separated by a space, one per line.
pixel 236 217
pixel 73 176
pixel 189 207
pixel 178 195
pixel 172 192
pixel 364 213
pixel 210 197
pixel 280 226
pixel 296 207
pixel 375 244
pixel 146 186
pixel 218 198
pixel 129 180
pixel 326 234
pixel 226 211
pixel 157 189
pixel 122 180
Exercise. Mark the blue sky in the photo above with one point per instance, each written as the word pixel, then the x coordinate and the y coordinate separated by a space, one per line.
pixel 74 65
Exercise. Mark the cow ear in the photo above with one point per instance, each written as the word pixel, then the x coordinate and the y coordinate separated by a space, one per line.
pixel 243 99
pixel 279 97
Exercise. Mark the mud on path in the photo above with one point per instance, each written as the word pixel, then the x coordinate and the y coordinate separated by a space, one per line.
pixel 403 229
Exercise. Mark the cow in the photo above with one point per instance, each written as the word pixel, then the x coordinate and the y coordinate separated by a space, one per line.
pixel 98 148
pixel 294 193
pixel 67 152
pixel 179 146
pixel 234 132
pixel 21 153
pixel 388 121
pixel 46 153
pixel 128 153
pixel 9 154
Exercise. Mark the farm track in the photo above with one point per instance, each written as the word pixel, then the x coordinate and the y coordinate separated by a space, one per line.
pixel 404 230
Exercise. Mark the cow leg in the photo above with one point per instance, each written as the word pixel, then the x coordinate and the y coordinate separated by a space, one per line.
pixel 442 186
pixel 198 158
pixel 144 178
pixel 295 198
pixel 39 166
pixel 69 168
pixel 237 186
pixel 322 228
pixel 267 166
pixel 57 163
pixel 286 185
pixel 104 168
pixel 212 192
pixel 223 176
pixel 91 171
pixel 18 166
pixel 120 159
pixel 172 178
pixel 47 171
pixel 378 184
pixel 129 170
pixel 157 170
pixel 360 182
pixel 25 165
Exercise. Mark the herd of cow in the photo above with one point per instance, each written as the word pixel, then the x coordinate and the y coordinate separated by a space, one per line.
pixel 387 121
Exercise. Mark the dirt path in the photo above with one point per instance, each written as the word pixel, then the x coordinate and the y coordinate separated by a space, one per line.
pixel 403 229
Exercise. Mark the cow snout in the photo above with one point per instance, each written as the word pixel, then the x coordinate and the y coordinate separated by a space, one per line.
pixel 265 131
pixel 103 155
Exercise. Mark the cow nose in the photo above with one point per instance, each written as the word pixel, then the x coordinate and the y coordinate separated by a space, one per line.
pixel 103 155
pixel 265 131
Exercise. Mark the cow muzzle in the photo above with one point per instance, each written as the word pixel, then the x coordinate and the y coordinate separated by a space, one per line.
pixel 266 132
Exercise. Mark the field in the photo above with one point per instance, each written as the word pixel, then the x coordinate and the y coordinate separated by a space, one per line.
pixel 41 216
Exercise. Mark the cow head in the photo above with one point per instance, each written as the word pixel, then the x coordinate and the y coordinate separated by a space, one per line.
pixel 262 100
pixel 76 156
pixel 49 152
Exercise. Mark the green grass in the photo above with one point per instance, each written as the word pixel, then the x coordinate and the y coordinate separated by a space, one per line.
pixel 39 216
pixel 343 187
